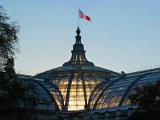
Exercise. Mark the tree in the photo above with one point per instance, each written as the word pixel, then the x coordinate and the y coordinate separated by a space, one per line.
pixel 14 95
pixel 16 100
pixel 8 38
pixel 147 99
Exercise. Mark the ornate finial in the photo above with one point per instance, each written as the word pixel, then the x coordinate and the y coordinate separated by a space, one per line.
pixel 78 31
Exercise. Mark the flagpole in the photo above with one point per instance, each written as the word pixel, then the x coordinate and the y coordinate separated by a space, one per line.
pixel 78 16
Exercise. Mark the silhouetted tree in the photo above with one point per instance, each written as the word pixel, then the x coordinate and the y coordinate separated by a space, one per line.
pixel 8 38
pixel 147 99
pixel 15 96
pixel 16 100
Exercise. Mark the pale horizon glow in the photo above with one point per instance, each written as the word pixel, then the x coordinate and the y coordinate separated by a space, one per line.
pixel 123 35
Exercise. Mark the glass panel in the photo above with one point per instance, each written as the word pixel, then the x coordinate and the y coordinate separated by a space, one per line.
pixel 76 99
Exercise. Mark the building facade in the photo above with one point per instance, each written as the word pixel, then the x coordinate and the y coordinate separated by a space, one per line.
pixel 80 90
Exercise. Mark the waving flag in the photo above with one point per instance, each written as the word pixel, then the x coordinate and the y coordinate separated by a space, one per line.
pixel 83 16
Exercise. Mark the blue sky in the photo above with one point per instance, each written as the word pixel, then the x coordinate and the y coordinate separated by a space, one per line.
pixel 124 35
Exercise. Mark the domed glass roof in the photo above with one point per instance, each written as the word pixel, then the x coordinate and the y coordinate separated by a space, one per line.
pixel 76 79
pixel 80 85
pixel 41 93
pixel 116 92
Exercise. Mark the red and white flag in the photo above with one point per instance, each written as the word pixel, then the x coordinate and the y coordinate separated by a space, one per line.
pixel 83 16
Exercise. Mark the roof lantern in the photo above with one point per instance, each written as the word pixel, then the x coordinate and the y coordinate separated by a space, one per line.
pixel 78 57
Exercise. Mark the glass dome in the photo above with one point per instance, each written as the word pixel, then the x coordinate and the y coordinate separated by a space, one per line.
pixel 77 78
pixel 80 85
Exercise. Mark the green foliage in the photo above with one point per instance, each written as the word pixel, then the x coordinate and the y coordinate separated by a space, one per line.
pixel 8 37
pixel 148 102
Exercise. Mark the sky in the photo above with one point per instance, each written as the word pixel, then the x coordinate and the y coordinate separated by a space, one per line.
pixel 123 35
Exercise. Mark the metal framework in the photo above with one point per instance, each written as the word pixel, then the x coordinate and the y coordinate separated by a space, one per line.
pixel 40 84
pixel 96 92
pixel 58 95
pixel 115 93
pixel 79 85
pixel 68 91
pixel 104 91
pixel 84 89
pixel 76 79
pixel 130 87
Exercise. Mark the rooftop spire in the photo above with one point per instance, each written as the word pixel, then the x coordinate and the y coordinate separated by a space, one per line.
pixel 78 31
pixel 78 53
pixel 78 37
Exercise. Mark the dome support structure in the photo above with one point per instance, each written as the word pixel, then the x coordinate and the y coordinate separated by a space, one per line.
pixel 68 92
pixel 100 95
pixel 84 89
pixel 130 87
